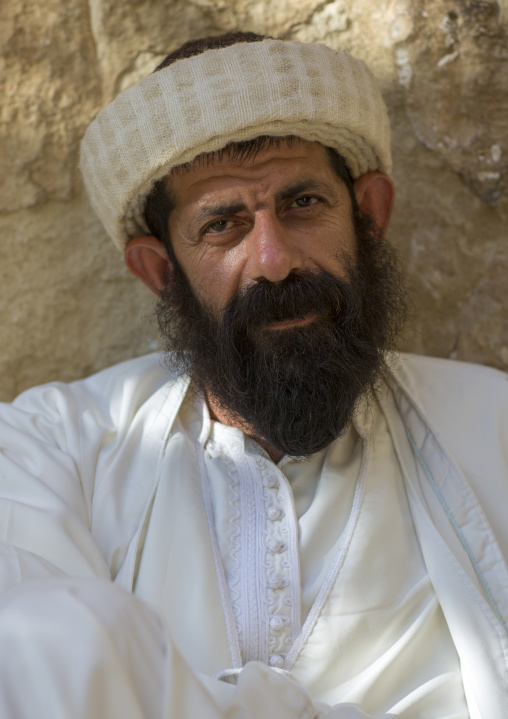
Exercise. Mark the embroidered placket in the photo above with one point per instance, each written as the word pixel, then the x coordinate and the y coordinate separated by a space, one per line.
pixel 264 576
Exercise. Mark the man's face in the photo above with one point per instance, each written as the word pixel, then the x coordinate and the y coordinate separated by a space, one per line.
pixel 235 224
pixel 279 306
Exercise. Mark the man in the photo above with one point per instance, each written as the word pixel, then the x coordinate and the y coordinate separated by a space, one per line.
pixel 310 526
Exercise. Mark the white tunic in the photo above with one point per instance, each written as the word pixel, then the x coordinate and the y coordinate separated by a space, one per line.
pixel 102 495
pixel 285 534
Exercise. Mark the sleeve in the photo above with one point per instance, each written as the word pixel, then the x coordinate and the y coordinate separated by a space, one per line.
pixel 86 648
pixel 45 512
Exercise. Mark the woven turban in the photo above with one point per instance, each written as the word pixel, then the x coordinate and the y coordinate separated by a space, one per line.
pixel 202 103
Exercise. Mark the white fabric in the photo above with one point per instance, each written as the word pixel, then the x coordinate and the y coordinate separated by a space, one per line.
pixel 394 651
pixel 320 517
pixel 87 649
pixel 84 476
pixel 311 514
pixel 202 103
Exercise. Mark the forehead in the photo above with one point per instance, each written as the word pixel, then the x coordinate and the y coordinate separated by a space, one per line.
pixel 271 167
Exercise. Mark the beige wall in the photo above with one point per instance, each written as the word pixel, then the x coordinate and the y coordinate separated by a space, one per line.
pixel 69 307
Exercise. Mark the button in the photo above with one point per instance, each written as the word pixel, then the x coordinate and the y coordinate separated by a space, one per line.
pixel 276 546
pixel 277 582
pixel 275 513
pixel 271 482
pixel 278 622
pixel 276 660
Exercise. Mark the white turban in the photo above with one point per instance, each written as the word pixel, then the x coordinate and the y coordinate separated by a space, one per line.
pixel 235 93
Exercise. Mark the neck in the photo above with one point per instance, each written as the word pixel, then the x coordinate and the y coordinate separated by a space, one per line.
pixel 228 418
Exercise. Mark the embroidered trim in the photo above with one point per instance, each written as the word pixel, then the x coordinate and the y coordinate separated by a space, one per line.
pixel 234 645
pixel 256 644
pixel 283 624
pixel 264 578
pixel 233 580
pixel 235 541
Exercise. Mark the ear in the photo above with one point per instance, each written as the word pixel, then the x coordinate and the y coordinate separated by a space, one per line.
pixel 375 195
pixel 146 258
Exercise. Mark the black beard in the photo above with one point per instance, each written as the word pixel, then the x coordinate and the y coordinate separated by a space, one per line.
pixel 296 388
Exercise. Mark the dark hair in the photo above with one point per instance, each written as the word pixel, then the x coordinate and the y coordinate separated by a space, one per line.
pixel 212 42
pixel 160 202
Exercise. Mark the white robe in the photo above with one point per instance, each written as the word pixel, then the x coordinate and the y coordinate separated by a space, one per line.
pixel 79 471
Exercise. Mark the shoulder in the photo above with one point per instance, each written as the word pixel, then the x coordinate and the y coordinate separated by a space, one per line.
pixel 132 381
pixel 448 387
pixel 466 406
pixel 108 400
pixel 129 383
pixel 61 432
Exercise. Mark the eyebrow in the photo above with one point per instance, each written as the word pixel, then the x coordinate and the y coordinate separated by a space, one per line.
pixel 221 210
pixel 304 186
pixel 232 208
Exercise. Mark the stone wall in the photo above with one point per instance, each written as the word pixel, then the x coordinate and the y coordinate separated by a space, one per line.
pixel 69 306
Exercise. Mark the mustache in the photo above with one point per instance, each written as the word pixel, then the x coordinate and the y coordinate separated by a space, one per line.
pixel 301 293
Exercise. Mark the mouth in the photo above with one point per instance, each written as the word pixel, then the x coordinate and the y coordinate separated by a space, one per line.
pixel 285 324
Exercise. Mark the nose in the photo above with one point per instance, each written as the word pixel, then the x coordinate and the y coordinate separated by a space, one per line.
pixel 272 249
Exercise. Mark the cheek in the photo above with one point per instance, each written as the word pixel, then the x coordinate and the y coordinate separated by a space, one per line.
pixel 333 246
pixel 216 276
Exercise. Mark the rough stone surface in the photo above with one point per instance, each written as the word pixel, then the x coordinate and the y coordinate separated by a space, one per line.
pixel 452 59
pixel 69 306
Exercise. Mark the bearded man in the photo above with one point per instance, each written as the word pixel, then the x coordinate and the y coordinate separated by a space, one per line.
pixel 285 520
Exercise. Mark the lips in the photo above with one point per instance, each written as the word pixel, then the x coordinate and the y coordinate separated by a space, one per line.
pixel 298 322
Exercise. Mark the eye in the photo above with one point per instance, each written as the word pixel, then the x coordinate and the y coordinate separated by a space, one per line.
pixel 217 226
pixel 306 201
